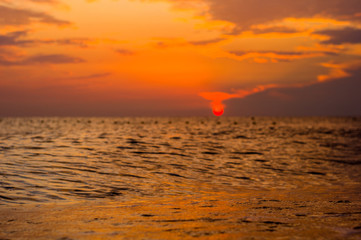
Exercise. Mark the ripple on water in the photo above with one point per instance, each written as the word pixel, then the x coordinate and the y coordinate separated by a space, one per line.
pixel 56 159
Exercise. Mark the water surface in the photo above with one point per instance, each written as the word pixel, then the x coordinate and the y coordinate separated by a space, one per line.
pixel 50 159
pixel 170 178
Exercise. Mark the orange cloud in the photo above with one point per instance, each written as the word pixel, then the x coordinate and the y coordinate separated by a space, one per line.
pixel 338 70
pixel 217 98
pixel 277 56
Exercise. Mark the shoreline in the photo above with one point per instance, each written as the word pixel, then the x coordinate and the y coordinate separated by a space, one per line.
pixel 322 213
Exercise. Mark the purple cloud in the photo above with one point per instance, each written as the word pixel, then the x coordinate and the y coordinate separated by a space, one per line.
pixel 80 42
pixel 247 13
pixel 15 17
pixel 279 56
pixel 41 59
pixel 15 39
pixel 275 30
pixel 206 42
pixel 340 97
pixel 92 76
pixel 125 52
pixel 12 39
pixel 340 36
pixel 283 53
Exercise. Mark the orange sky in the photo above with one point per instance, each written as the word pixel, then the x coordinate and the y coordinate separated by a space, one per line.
pixel 161 57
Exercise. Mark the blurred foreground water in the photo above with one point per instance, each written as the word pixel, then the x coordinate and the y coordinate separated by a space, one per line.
pixel 155 162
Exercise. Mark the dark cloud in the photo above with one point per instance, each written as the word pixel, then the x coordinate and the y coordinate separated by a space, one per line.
pixel 340 97
pixel 91 76
pixel 174 42
pixel 15 17
pixel 80 42
pixel 41 59
pixel 17 39
pixel 279 56
pixel 54 58
pixel 125 52
pixel 281 53
pixel 340 36
pixel 247 13
pixel 206 42
pixel 275 30
pixel 12 39
pixel 284 53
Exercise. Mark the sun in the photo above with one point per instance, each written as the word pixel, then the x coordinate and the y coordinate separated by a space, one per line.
pixel 218 109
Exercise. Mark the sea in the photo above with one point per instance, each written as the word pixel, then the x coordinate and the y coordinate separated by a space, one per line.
pixel 59 160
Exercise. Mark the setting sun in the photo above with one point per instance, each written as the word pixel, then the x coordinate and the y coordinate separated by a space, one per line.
pixel 218 109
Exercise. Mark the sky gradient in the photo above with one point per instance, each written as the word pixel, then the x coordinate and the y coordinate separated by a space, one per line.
pixel 180 57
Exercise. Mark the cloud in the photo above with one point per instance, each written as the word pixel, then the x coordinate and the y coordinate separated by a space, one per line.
pixel 275 29
pixel 19 39
pixel 248 14
pixel 92 76
pixel 339 70
pixel 17 17
pixel 278 56
pixel 340 97
pixel 15 39
pixel 80 42
pixel 206 42
pixel 285 92
pixel 245 13
pixel 53 58
pixel 217 98
pixel 341 36
pixel 41 59
pixel 124 52
pixel 12 39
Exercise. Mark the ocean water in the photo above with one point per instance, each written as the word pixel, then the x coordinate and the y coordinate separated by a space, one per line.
pixel 45 160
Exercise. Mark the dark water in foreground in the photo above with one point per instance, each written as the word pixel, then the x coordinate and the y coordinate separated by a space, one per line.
pixel 71 159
